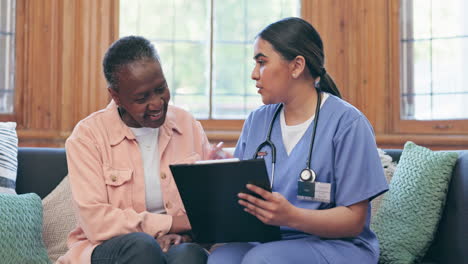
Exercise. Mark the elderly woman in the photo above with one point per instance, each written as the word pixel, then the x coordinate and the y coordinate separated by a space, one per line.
pixel 128 205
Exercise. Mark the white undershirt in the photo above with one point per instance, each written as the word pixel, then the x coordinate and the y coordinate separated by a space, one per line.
pixel 292 134
pixel 147 139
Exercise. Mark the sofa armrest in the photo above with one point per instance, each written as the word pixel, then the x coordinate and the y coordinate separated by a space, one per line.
pixel 451 241
pixel 40 170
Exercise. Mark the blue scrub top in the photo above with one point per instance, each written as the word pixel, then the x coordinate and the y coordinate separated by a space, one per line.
pixel 345 155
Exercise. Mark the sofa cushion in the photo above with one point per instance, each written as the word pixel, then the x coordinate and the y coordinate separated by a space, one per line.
pixel 410 211
pixel 59 219
pixel 21 229
pixel 8 157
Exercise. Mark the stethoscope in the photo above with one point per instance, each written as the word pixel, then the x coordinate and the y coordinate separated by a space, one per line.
pixel 306 174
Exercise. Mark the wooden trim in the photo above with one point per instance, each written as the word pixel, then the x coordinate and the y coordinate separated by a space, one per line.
pixel 435 142
pixel 21 59
pixel 42 134
pixel 7 118
pixel 392 91
pixel 434 127
pixel 222 124
pixel 228 137
pixel 227 131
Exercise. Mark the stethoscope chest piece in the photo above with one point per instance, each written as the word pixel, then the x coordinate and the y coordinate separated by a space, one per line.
pixel 307 175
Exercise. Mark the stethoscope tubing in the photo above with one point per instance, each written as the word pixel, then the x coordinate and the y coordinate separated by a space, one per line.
pixel 272 146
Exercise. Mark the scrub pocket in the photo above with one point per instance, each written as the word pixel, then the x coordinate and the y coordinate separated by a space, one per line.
pixel 119 187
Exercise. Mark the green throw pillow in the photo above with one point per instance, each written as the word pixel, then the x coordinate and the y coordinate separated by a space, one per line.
pixel 21 229
pixel 408 216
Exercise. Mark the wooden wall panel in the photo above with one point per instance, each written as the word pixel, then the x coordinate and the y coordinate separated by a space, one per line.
pixel 355 39
pixel 59 78
pixel 37 66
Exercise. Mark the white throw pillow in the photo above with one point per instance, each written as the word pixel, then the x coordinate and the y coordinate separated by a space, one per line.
pixel 8 157
pixel 389 167
pixel 58 220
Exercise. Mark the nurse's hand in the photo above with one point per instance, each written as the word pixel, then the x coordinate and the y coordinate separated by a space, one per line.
pixel 274 210
pixel 217 152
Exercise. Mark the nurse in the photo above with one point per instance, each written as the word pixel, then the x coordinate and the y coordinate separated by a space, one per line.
pixel 326 170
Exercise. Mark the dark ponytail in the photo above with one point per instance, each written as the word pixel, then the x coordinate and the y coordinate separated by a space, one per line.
pixel 293 37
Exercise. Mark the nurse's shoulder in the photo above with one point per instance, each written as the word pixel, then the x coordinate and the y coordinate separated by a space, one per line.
pixel 261 116
pixel 345 114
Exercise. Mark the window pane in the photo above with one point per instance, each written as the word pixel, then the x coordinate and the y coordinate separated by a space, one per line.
pixel 260 13
pixel 190 54
pixel 421 106
pixel 434 59
pixel 227 26
pixel 190 81
pixel 450 106
pixel 420 19
pixel 450 65
pixel 7 55
pixel 234 93
pixel 420 80
pixel 180 31
pixel 449 18
pixel 232 84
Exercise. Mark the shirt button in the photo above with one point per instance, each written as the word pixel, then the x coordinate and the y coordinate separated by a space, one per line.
pixel 163 175
pixel 113 178
pixel 168 205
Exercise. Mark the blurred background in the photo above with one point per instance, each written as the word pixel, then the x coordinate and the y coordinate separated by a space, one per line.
pixel 403 63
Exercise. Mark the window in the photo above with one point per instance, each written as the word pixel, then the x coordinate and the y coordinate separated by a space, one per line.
pixel 434 60
pixel 206 48
pixel 7 55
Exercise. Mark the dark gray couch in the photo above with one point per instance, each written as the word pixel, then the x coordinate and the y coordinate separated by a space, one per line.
pixel 41 169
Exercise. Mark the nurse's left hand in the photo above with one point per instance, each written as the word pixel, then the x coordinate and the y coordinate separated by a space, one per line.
pixel 274 210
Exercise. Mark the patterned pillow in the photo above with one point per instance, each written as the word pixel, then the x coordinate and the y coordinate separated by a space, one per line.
pixel 8 157
pixel 21 229
pixel 407 219
pixel 59 219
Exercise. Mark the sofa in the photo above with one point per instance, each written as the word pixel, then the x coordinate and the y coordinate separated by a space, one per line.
pixel 40 170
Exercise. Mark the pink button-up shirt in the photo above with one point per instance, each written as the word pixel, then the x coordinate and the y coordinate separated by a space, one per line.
pixel 107 177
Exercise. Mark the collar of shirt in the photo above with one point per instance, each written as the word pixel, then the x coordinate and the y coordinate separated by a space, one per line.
pixel 119 130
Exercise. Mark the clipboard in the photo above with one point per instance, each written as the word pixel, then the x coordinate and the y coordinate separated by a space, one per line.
pixel 209 194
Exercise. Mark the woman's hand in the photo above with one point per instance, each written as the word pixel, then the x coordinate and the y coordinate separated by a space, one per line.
pixel 274 210
pixel 217 152
pixel 180 224
pixel 166 241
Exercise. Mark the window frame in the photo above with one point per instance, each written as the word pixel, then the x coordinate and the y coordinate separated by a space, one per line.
pixel 219 128
pixel 6 117
pixel 399 125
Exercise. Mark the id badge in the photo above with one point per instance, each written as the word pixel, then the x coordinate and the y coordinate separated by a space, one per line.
pixel 314 191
